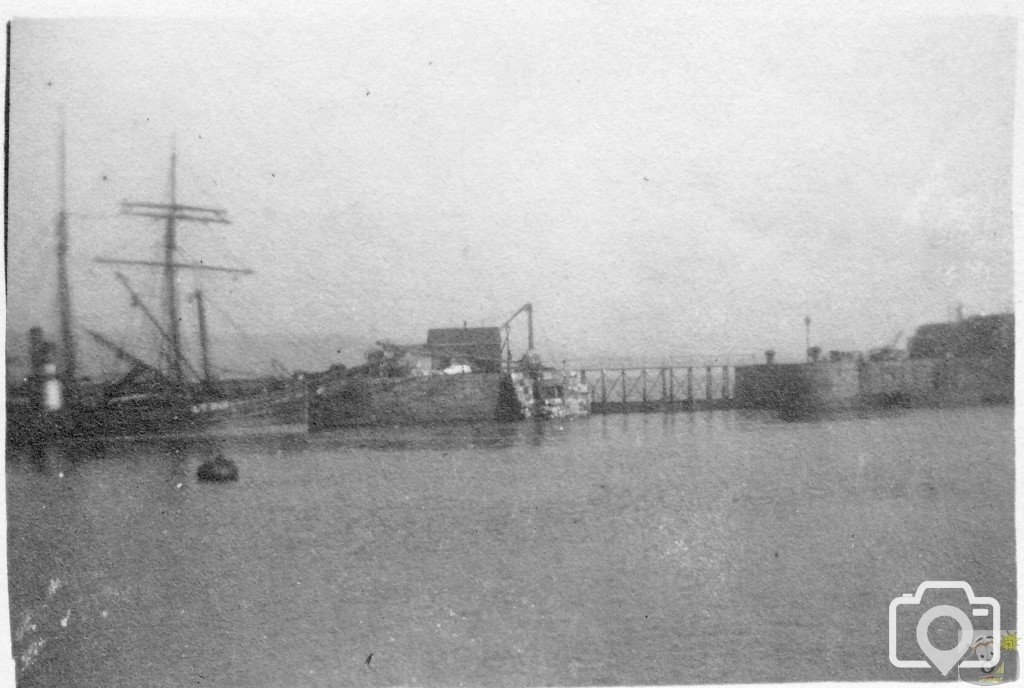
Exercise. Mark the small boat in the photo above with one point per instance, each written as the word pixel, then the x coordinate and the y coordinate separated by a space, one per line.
pixel 218 470
pixel 560 395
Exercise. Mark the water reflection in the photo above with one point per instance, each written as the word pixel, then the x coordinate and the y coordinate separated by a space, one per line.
pixel 820 415
pixel 446 437
pixel 537 433
pixel 57 459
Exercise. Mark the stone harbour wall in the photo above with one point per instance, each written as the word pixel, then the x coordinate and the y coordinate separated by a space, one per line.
pixel 797 386
pixel 939 382
pixel 435 399
pixel 807 387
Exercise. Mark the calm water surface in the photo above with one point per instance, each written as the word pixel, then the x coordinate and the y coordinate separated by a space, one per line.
pixel 643 549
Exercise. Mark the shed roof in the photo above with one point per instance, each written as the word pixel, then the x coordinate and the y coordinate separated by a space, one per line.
pixel 476 343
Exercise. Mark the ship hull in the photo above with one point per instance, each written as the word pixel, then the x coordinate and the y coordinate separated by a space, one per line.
pixel 31 426
pixel 153 416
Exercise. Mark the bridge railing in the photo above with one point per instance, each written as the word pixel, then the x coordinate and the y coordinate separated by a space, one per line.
pixel 652 387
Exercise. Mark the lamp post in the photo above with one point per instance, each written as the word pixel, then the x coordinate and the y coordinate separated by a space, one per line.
pixel 807 337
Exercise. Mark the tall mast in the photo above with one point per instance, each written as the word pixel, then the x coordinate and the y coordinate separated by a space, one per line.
pixel 170 278
pixel 204 342
pixel 173 212
pixel 67 336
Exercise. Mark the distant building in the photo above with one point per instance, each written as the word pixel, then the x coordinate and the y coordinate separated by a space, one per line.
pixel 980 335
pixel 479 347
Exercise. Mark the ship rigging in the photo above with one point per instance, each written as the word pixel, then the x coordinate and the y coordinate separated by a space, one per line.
pixel 172 351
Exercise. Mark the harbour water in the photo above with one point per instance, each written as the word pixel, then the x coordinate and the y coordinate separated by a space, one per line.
pixel 630 549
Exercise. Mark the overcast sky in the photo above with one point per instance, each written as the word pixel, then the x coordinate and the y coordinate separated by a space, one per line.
pixel 657 183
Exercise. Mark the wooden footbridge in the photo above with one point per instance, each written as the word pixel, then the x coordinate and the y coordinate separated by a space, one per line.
pixel 659 388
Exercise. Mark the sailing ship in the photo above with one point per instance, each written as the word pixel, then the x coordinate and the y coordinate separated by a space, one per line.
pixel 172 397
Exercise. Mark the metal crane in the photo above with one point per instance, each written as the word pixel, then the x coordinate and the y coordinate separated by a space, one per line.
pixel 528 308
pixel 889 352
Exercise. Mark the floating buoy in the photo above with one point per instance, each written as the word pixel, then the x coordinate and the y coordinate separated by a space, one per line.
pixel 218 470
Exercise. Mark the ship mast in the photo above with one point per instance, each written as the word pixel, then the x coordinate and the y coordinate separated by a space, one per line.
pixel 204 343
pixel 172 213
pixel 67 335
pixel 171 278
